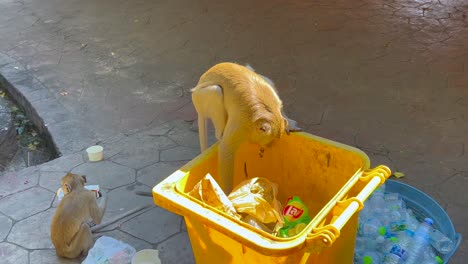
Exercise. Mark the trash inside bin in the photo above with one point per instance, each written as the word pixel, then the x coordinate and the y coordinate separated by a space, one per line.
pixel 332 179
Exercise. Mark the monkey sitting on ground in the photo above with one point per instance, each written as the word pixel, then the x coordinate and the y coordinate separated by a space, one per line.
pixel 78 215
pixel 70 230
pixel 243 106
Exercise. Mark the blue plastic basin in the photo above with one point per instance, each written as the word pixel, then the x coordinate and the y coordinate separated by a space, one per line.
pixel 424 206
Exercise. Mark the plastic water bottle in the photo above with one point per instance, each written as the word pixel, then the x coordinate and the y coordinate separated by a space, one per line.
pixel 441 242
pixel 394 212
pixel 420 242
pixel 391 259
pixel 430 257
pixel 370 227
pixel 365 243
pixel 405 238
pixel 377 202
pixel 373 205
pixel 411 222
pixel 394 252
pixel 366 212
pixel 392 197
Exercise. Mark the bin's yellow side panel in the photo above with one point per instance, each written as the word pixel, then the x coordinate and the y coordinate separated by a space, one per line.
pixel 211 246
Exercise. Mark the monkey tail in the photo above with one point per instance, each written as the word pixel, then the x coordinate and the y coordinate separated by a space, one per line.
pixel 142 193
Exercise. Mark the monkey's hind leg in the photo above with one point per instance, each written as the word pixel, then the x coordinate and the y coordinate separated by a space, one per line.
pixel 209 103
pixel 81 243
pixel 202 132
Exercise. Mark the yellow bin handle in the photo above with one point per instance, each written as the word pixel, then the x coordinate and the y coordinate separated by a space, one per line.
pixel 325 236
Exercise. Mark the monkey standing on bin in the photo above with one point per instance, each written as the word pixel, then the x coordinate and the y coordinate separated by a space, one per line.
pixel 243 106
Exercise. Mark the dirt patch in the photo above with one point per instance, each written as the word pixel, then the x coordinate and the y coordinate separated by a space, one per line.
pixel 21 145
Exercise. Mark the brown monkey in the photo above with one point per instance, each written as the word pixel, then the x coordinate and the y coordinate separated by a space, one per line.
pixel 70 229
pixel 79 215
pixel 243 106
pixel 292 124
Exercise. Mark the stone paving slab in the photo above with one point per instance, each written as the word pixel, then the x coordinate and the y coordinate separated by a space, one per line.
pixel 5 226
pixel 49 256
pixel 154 174
pixel 26 203
pixel 154 226
pixel 106 174
pixel 65 163
pixel 12 182
pixel 138 244
pixel 140 152
pixel 178 243
pixel 51 180
pixel 33 232
pixel 179 153
pixel 123 199
pixel 12 254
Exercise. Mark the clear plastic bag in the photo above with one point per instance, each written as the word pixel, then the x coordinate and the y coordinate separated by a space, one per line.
pixel 257 198
pixel 109 250
pixel 208 191
pixel 256 223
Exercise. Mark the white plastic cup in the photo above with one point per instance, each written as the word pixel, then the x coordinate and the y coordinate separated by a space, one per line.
pixel 95 153
pixel 146 256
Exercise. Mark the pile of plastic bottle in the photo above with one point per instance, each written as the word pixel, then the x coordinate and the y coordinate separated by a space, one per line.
pixel 390 233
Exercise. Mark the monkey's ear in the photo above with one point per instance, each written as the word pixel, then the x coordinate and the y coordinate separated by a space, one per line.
pixel 263 126
pixel 68 188
pixel 84 178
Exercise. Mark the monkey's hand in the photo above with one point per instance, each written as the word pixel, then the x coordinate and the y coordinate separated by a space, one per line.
pixel 90 223
pixel 292 126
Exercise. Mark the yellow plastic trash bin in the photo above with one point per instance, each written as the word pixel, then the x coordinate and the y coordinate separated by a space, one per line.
pixel 332 179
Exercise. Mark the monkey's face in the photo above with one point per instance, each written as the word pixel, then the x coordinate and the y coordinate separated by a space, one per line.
pixel 266 131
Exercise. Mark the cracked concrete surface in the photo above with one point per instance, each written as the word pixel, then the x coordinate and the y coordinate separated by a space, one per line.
pixel 389 77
